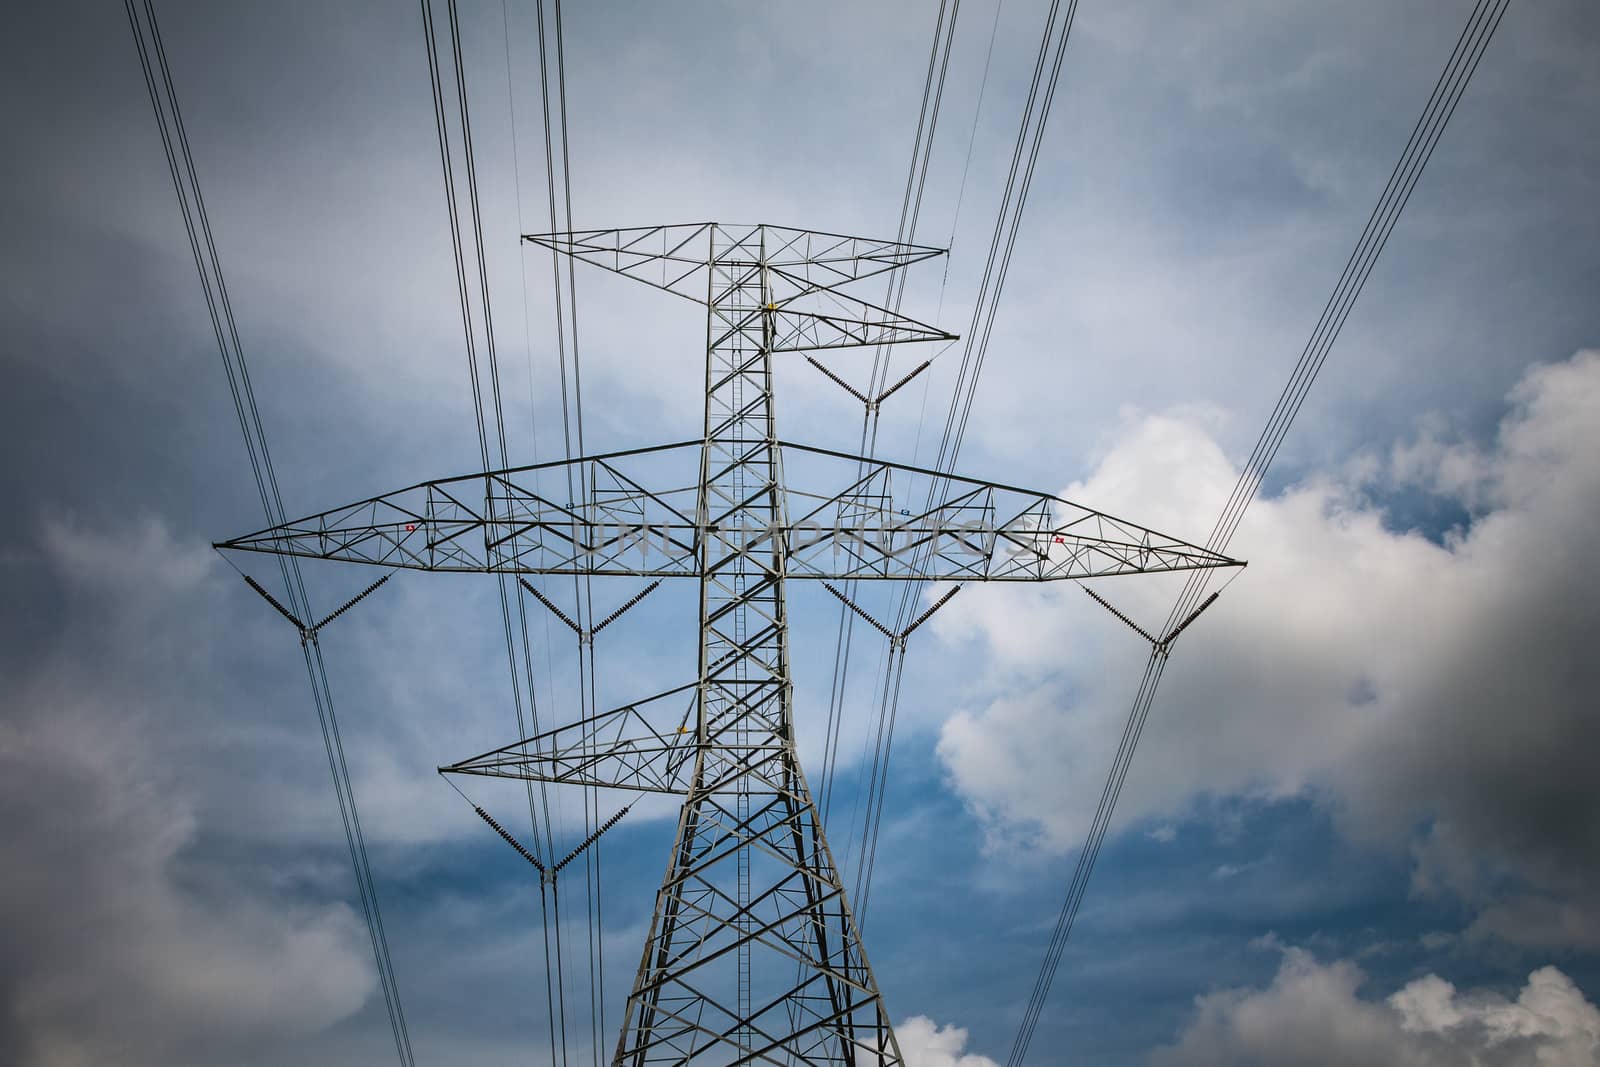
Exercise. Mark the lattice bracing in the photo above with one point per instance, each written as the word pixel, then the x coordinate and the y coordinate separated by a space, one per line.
pixel 518 521
pixel 812 998
pixel 874 519
pixel 801 270
pixel 677 257
pixel 644 746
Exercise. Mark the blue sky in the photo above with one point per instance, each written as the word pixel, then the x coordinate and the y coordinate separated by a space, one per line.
pixel 1369 769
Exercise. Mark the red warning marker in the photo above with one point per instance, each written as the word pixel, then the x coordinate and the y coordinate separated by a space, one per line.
pixel 412 526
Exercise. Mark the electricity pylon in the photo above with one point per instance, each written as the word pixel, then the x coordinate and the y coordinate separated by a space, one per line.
pixel 752 953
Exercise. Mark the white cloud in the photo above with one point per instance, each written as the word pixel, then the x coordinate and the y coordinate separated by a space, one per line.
pixel 1402 679
pixel 1313 1014
pixel 924 1043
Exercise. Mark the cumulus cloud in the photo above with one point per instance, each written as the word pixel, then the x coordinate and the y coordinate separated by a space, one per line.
pixel 1313 1014
pixel 924 1043
pixel 1409 680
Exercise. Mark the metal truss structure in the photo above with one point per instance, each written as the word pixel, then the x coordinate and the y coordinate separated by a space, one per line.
pixel 752 952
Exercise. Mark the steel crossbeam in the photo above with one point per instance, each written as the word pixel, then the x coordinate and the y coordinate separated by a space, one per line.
pixel 846 527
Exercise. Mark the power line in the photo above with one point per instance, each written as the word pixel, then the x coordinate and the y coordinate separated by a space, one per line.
pixel 878 781
pixel 551 977
pixel 1036 114
pixel 555 1001
pixel 571 420
pixel 219 306
pixel 972 141
pixel 1442 102
pixel 586 655
pixel 910 210
pixel 1024 159
pixel 556 142
pixel 891 665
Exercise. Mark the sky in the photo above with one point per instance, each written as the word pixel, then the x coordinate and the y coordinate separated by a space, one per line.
pixel 1361 824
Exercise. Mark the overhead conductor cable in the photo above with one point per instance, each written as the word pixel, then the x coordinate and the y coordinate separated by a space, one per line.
pixel 208 264
pixel 1447 92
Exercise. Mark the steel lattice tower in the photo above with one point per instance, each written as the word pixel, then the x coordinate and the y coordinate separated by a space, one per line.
pixel 751 873
pixel 753 953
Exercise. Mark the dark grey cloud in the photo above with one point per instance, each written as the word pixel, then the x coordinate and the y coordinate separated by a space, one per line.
pixel 109 942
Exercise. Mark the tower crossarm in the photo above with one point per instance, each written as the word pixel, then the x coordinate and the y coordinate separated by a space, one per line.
pixel 636 517
pixel 845 517
pixel 673 258
pixel 646 746
pixel 813 318
pixel 676 257
pixel 851 517
pixel 803 272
